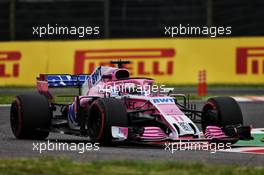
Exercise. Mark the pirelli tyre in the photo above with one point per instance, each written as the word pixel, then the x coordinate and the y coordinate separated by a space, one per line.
pixel 30 117
pixel 222 112
pixel 103 114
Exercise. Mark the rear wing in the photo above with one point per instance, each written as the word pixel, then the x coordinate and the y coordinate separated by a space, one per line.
pixel 64 80
pixel 46 81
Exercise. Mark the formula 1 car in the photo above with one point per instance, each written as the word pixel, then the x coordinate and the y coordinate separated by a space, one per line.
pixel 113 107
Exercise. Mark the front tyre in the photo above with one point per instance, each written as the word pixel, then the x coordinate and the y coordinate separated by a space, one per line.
pixel 222 112
pixel 103 114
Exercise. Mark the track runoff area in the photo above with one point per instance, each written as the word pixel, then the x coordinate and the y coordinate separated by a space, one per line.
pixel 255 146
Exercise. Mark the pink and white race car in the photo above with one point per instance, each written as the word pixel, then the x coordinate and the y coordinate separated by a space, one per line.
pixel 113 107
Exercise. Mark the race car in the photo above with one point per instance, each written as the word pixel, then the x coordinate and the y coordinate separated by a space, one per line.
pixel 113 107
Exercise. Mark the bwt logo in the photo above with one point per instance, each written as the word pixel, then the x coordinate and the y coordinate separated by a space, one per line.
pixel 250 58
pixel 9 66
pixel 157 61
pixel 163 100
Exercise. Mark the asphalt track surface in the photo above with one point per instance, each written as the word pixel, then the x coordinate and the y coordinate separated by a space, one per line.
pixel 11 147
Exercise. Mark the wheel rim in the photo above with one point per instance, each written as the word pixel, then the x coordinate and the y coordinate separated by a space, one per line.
pixel 210 114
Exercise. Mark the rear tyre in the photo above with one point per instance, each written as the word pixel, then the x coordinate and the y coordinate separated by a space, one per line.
pixel 30 117
pixel 103 114
pixel 221 111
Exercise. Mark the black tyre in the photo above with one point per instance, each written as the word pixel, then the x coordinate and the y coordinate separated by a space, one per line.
pixel 221 111
pixel 30 116
pixel 103 114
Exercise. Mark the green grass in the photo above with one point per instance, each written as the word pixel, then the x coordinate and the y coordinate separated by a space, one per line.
pixel 51 166
pixel 212 85
pixel 7 99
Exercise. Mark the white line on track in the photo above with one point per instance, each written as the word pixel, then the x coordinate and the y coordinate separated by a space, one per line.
pixel 249 98
pixel 257 131
pixel 257 149
pixel 5 105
